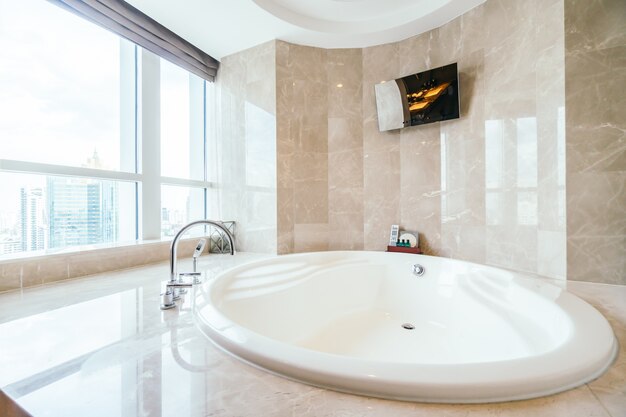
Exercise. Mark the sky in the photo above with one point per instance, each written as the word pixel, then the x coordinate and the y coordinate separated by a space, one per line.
pixel 60 97
pixel 56 100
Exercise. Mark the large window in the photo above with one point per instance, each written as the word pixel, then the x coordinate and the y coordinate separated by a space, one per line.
pixel 77 140
pixel 59 87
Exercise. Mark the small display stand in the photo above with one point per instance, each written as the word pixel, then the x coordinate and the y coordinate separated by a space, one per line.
pixel 404 249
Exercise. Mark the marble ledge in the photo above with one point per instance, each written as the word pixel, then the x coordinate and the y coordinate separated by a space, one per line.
pixel 37 268
pixel 100 346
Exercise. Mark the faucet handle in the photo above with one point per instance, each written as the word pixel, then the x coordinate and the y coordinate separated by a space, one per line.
pixel 167 299
pixel 195 276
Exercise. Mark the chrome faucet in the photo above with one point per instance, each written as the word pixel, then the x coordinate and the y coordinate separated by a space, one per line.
pixel 176 281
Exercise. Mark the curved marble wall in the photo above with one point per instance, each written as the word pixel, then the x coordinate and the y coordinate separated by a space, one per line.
pixel 489 187
pixel 242 127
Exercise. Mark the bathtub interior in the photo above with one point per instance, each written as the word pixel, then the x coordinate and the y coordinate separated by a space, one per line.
pixel 354 304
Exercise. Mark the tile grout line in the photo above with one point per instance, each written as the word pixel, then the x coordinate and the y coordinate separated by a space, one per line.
pixel 599 400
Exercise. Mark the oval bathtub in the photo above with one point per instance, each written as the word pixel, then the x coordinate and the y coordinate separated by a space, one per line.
pixel 363 322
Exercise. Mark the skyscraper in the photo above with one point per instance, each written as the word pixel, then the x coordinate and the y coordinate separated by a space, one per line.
pixel 82 211
pixel 33 219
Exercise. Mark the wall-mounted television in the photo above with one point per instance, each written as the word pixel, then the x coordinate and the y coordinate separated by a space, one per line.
pixel 426 97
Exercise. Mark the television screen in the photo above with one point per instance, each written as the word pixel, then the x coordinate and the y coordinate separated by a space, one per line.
pixel 426 97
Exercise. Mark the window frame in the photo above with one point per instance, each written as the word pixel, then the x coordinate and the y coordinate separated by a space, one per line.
pixel 147 164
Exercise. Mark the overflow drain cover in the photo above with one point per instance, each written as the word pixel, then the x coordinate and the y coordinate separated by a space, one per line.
pixel 408 326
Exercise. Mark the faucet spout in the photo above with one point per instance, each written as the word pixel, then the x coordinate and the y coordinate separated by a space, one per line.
pixel 181 232
pixel 175 286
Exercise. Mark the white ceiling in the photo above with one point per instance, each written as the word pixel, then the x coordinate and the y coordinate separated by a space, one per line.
pixel 223 27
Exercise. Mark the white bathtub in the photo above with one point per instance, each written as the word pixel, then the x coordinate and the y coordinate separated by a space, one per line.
pixel 335 320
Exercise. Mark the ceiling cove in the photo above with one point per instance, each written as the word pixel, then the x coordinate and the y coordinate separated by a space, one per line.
pixel 221 28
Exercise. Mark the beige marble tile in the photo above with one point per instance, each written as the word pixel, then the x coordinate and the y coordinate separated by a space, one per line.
pixel 505 20
pixel 549 24
pixel 599 148
pixel 95 263
pixel 285 220
pixel 420 158
pixel 285 151
pixel 381 196
pixel 247 144
pixel 345 134
pixel 550 122
pixel 11 276
pixel 596 204
pixel 311 202
pixel 345 229
pixel 29 272
pixel 471 68
pixel 597 259
pixel 463 206
pixel 414 53
pixel 302 150
pixel 464 242
pixel 513 247
pixel 311 134
pixel 346 200
pixel 551 192
pixel 345 79
pixel 311 237
pixel 473 30
pixel 344 101
pixel 595 24
pixel 579 401
pixel 345 169
pixel 380 63
pixel 597 75
pixel 551 254
pixel 595 131
pixel 610 300
pixel 421 211
pixel 306 62
pixel 48 270
pixel 381 151
pixel 310 166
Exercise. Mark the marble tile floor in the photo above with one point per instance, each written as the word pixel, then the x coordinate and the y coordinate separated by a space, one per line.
pixel 100 346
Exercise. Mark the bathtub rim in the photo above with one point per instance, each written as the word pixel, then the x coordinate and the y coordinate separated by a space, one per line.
pixel 479 382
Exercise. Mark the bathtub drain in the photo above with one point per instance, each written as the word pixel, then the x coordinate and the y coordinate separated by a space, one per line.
pixel 408 326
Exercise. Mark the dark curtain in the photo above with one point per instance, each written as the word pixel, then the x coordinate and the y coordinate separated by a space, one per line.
pixel 132 24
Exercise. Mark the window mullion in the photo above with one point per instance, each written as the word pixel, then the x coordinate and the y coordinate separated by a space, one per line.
pixel 26 167
pixel 150 145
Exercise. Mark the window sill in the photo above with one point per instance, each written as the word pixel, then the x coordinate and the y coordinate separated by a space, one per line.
pixel 43 267
pixel 73 250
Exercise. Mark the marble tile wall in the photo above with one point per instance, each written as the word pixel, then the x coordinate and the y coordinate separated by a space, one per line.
pixel 243 137
pixel 344 70
pixel 319 148
pixel 595 80
pixel 381 152
pixel 488 187
pixel 302 148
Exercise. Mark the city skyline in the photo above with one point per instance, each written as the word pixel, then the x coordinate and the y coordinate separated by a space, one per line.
pixel 45 212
